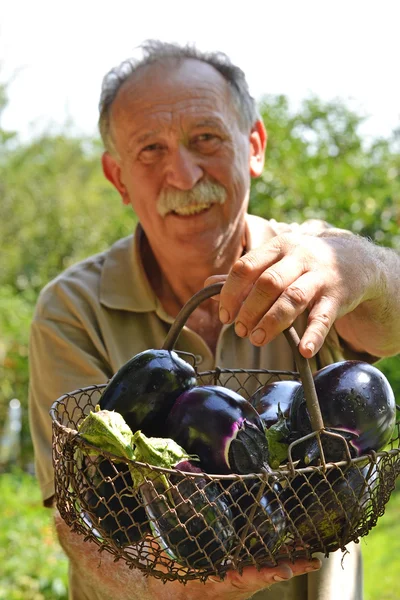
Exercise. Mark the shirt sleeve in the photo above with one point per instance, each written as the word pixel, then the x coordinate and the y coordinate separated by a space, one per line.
pixel 64 355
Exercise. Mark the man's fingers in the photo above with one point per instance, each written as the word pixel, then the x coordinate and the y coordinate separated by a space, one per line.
pixel 282 313
pixel 215 279
pixel 270 286
pixel 244 273
pixel 321 318
pixel 252 580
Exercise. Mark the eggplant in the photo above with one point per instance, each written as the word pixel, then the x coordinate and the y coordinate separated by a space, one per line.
pixel 273 399
pixel 356 400
pixel 109 501
pixel 110 504
pixel 323 509
pixel 221 428
pixel 262 529
pixel 190 517
pixel 145 388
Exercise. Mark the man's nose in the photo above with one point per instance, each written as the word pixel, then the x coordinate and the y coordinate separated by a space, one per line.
pixel 183 170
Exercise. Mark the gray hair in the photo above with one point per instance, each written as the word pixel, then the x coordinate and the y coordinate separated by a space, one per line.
pixel 155 51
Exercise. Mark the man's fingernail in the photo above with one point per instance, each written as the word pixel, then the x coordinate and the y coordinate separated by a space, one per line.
pixel 278 578
pixel 310 346
pixel 223 315
pixel 258 336
pixel 240 329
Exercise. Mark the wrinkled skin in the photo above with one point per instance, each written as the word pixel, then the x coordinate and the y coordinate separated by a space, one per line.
pixel 270 286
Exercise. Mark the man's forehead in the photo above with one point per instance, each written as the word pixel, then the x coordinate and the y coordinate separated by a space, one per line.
pixel 182 69
pixel 172 79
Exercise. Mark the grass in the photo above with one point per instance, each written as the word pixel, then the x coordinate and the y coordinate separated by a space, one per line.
pixel 33 566
pixel 381 551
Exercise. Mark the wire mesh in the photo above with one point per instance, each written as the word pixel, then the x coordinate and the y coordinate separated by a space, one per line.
pixel 182 526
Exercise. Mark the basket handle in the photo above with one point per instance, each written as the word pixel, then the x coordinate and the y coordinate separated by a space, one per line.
pixel 291 335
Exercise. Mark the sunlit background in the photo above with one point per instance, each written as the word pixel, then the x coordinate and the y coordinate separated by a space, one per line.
pixel 54 54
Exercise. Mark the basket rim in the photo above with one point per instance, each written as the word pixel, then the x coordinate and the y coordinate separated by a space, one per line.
pixel 217 370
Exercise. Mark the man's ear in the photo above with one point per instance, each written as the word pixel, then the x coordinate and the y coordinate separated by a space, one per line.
pixel 258 144
pixel 112 171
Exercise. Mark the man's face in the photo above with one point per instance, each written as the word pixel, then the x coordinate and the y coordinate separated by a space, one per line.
pixel 183 157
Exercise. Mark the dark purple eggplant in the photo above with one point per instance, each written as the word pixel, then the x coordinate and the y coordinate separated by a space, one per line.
pixel 110 503
pixel 189 516
pixel 273 397
pixel 324 508
pixel 221 428
pixel 190 519
pixel 263 530
pixel 145 388
pixel 356 401
pixel 307 452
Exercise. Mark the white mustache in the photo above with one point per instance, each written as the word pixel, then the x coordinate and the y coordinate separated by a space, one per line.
pixel 203 195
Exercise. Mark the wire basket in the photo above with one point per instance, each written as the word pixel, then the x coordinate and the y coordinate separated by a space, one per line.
pixel 184 526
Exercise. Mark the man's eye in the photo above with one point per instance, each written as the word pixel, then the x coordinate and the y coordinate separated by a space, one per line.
pixel 151 152
pixel 151 148
pixel 206 141
pixel 207 137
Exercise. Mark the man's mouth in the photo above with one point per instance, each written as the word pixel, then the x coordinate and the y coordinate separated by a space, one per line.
pixel 191 209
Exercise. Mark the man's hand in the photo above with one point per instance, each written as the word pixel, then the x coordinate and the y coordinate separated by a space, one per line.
pixel 330 275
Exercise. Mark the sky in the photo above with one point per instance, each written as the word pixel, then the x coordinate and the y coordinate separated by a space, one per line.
pixel 53 55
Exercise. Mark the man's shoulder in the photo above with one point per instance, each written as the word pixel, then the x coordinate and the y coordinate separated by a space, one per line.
pixel 80 280
pixel 261 230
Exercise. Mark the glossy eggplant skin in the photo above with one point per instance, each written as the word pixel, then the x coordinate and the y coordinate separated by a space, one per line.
pixel 221 428
pixel 272 397
pixel 145 388
pixel 354 397
pixel 191 519
pixel 263 529
pixel 112 507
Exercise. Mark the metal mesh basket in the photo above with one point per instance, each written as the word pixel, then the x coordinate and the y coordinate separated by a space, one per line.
pixel 183 526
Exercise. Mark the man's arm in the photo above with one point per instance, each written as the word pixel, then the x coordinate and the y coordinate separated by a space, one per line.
pixel 338 277
pixel 374 325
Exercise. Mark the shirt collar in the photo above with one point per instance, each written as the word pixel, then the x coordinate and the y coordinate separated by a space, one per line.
pixel 124 284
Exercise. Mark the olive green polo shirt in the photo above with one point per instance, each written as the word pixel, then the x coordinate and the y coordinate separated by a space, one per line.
pixel 99 313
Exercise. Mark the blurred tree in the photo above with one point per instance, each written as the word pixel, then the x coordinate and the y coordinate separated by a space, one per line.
pixel 318 166
pixel 56 208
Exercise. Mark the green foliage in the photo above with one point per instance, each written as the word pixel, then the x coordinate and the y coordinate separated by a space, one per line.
pixel 33 566
pixel 15 318
pixel 56 208
pixel 317 166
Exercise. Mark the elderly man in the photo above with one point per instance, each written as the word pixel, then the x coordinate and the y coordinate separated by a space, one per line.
pixel 182 141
